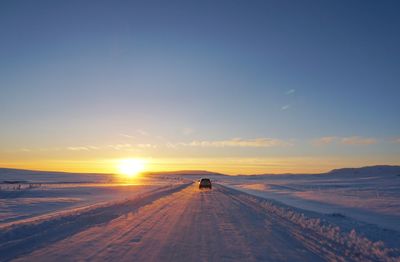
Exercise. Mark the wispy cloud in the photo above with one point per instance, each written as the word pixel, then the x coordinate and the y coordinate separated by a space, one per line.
pixel 126 136
pixel 238 142
pixel 82 148
pixel 130 147
pixel 351 140
pixel 78 148
pixel 290 91
pixel 120 146
pixel 357 140
pixel 285 107
pixel 326 140
pixel 146 146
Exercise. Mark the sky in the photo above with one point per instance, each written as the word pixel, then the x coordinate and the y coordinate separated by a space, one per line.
pixel 238 87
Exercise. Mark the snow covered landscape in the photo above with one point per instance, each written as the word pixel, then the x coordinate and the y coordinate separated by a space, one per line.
pixel 26 194
pixel 199 131
pixel 368 194
pixel 348 214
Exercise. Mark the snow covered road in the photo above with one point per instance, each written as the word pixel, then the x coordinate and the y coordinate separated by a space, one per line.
pixel 184 224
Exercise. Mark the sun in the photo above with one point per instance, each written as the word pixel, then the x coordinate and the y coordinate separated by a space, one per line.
pixel 130 168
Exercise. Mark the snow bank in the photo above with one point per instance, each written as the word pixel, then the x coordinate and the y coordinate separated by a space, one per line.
pixel 357 247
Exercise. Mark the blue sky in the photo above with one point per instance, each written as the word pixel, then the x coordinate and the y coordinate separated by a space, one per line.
pixel 79 73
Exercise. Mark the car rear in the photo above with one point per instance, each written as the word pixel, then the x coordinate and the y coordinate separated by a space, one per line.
pixel 205 183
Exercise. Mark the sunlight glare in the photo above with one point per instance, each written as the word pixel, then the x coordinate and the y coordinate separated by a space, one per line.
pixel 130 168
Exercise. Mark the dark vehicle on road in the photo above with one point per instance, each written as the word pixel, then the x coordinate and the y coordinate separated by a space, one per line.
pixel 205 183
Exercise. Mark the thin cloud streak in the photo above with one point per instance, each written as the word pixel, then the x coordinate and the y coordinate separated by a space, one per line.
pixel 326 140
pixel 120 146
pixel 352 140
pixel 146 146
pixel 126 136
pixel 357 140
pixel 78 148
pixel 290 91
pixel 238 142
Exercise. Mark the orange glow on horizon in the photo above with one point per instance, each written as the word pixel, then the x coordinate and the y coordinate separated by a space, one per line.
pixel 231 166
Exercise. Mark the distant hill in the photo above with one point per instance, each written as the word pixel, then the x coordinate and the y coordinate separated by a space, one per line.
pixel 35 176
pixel 368 171
pixel 381 170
